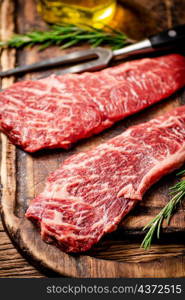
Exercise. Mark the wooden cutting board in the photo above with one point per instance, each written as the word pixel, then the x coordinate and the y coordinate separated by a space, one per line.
pixel 23 175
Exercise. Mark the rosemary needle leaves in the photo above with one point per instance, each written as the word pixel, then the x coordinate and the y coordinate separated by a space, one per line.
pixel 68 35
pixel 178 193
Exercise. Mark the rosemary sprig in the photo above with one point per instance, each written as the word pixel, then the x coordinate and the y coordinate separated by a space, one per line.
pixel 68 35
pixel 178 193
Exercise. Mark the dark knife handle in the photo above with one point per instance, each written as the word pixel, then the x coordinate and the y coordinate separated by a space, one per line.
pixel 171 38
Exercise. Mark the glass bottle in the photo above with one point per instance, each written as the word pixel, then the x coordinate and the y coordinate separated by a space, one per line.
pixel 91 12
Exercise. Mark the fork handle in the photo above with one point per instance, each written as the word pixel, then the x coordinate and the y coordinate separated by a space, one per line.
pixel 171 38
pixel 168 39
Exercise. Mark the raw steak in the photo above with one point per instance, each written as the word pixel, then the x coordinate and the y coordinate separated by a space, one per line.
pixel 92 191
pixel 60 110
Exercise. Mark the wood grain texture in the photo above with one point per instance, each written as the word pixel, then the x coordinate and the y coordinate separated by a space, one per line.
pixel 23 176
pixel 12 264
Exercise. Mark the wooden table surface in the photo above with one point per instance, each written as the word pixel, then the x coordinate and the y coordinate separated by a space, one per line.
pixel 11 262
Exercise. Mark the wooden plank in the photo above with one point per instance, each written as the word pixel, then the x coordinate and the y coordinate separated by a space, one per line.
pixel 116 255
pixel 11 262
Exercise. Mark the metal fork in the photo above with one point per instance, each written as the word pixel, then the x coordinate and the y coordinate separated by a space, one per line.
pixel 98 58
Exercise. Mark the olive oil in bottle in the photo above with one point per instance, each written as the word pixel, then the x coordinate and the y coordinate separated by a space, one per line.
pixel 91 12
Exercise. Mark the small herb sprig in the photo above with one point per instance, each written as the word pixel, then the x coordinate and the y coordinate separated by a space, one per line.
pixel 68 35
pixel 178 193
